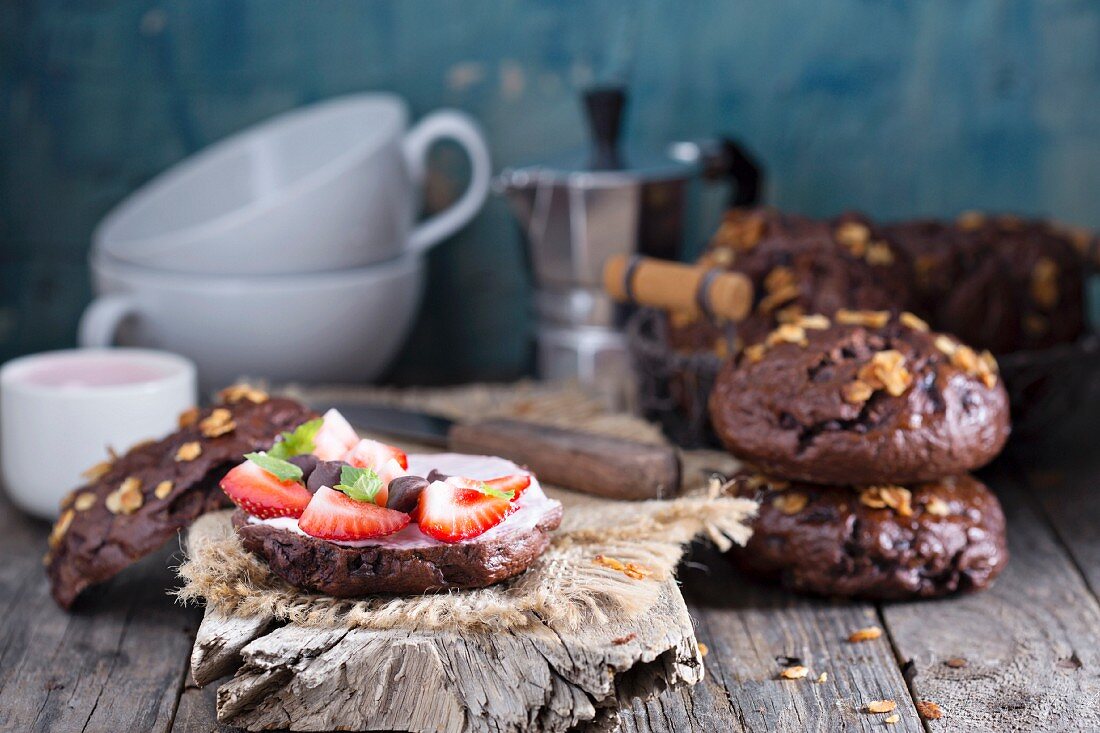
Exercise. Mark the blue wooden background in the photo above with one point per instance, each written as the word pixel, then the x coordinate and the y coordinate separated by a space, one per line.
pixel 895 107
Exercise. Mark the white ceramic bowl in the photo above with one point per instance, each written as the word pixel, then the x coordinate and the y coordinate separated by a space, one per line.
pixel 342 326
pixel 324 187
pixel 60 410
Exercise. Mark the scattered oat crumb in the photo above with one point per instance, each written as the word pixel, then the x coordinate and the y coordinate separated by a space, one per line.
pixel 703 650
pixel 881 706
pixel 929 710
pixel 632 570
pixel 822 678
pixel 956 663
pixel 868 633
pixel 619 641
pixel 892 719
pixel 796 672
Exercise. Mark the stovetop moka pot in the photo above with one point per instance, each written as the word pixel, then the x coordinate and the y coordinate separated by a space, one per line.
pixel 577 212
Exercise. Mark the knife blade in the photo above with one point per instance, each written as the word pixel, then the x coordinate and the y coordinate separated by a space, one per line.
pixel 595 464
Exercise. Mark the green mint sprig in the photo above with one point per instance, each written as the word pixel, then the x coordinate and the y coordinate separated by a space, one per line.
pixel 277 467
pixel 296 442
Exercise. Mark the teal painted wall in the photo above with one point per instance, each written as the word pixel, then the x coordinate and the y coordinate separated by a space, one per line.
pixel 893 107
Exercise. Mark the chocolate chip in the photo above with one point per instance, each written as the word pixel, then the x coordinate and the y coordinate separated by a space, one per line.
pixel 327 473
pixel 307 462
pixel 405 492
pixel 436 475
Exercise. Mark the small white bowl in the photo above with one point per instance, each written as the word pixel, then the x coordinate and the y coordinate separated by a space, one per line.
pixel 324 187
pixel 61 410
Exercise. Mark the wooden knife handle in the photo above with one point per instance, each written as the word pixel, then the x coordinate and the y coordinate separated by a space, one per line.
pixel 594 464
pixel 678 287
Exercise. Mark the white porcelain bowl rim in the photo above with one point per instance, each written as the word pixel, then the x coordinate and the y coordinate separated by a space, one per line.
pixel 324 173
pixel 174 366
pixel 395 267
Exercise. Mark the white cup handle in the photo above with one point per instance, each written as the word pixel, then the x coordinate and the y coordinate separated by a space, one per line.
pixel 463 130
pixel 100 321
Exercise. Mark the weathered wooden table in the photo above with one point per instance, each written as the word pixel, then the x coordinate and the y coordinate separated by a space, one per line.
pixel 1024 656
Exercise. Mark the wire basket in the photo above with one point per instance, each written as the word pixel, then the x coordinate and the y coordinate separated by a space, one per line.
pixel 1054 392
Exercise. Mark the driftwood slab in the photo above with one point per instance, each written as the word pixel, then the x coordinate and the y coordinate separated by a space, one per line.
pixel 533 679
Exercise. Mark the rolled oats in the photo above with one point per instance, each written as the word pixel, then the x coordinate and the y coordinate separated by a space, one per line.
pixel 816 322
pixel 163 489
pixel 189 451
pixel 912 321
pixel 791 314
pixel 85 501
pixel 218 422
pixel 773 300
pixel 881 706
pixel 868 319
pixel 787 333
pixel 886 370
pixel 59 529
pixel 857 392
pixel 127 498
pixel 945 344
pixel 755 352
pixel 98 471
pixel 238 392
pixel 188 417
pixel 897 498
pixel 879 253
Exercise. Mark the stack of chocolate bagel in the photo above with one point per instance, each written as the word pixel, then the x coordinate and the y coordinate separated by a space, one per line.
pixel 858 430
pixel 998 282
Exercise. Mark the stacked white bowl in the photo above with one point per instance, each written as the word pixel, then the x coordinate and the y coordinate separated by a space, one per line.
pixel 288 251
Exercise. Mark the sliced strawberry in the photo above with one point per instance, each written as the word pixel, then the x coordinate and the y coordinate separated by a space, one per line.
pixel 516 483
pixel 372 454
pixel 332 515
pixel 453 510
pixel 263 495
pixel 335 437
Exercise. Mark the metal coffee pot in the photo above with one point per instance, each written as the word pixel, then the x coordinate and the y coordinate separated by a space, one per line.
pixel 577 212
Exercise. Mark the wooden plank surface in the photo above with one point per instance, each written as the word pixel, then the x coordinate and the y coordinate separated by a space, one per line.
pixel 116 664
pixel 752 631
pixel 1031 644
pixel 1021 656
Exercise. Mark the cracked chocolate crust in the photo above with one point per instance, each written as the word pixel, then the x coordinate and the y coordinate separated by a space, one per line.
pixel 146 496
pixel 349 572
pixel 998 282
pixel 949 536
pixel 797 264
pixel 791 410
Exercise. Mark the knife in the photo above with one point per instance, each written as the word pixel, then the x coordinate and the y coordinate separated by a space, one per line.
pixel 595 464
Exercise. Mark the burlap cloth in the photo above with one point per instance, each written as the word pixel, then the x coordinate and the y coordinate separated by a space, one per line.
pixel 609 558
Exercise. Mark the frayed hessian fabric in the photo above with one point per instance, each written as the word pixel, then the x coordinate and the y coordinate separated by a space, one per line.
pixel 608 559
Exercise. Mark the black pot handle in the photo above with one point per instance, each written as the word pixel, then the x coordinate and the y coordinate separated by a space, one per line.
pixel 725 159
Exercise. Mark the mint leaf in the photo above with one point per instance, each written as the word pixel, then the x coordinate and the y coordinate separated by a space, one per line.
pixel 498 493
pixel 277 467
pixel 296 442
pixel 361 484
